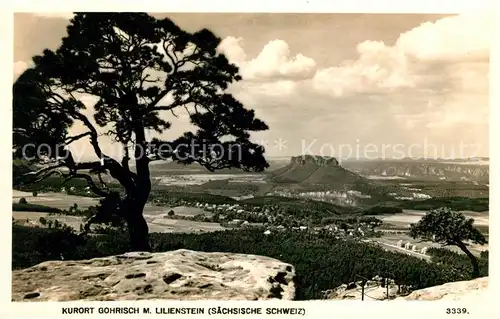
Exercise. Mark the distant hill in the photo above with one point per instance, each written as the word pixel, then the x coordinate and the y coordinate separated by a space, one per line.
pixel 431 169
pixel 308 171
pixel 195 168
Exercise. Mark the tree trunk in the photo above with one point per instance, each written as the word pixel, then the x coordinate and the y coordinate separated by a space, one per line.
pixel 473 259
pixel 138 228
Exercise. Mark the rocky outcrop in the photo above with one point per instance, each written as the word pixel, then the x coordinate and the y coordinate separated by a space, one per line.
pixel 461 290
pixel 312 159
pixel 180 274
pixel 416 168
pixel 316 170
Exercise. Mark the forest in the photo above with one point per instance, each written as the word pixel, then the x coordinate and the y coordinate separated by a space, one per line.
pixel 321 261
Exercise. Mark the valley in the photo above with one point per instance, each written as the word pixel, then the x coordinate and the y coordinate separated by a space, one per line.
pixel 308 193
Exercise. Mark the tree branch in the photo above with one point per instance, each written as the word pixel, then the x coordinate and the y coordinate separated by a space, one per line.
pixel 92 132
pixel 173 105
pixel 102 181
pixel 46 176
pixel 48 168
pixel 72 139
pixel 176 64
pixel 126 158
pixel 90 183
pixel 117 171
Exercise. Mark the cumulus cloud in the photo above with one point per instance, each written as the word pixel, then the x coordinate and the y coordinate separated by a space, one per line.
pixel 20 67
pixel 465 37
pixel 413 90
pixel 378 67
pixel 275 61
pixel 426 48
pixel 430 83
pixel 233 49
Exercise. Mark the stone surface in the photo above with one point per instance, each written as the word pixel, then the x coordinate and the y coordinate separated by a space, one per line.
pixel 460 290
pixel 180 274
pixel 312 159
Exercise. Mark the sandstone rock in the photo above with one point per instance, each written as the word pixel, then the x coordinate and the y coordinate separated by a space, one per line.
pixel 317 160
pixel 180 274
pixel 460 290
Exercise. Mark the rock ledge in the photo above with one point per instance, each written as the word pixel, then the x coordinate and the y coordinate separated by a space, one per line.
pixel 181 274
pixel 460 290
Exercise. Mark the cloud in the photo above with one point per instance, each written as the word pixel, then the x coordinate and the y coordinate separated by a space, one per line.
pixel 464 37
pixel 274 62
pixel 233 50
pixel 430 83
pixel 378 67
pixel 280 88
pixel 418 57
pixel 62 15
pixel 20 67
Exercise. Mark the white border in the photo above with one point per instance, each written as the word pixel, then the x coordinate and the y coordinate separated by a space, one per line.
pixel 312 6
pixel 314 309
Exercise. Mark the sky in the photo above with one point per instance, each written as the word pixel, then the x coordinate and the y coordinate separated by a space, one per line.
pixel 343 85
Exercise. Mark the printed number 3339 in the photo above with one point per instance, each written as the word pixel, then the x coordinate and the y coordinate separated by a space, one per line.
pixel 456 311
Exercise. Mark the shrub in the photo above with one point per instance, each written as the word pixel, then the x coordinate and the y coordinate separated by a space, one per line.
pixel 43 221
pixel 34 193
pixel 23 200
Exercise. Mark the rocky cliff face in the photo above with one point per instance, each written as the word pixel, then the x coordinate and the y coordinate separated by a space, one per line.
pixel 180 274
pixel 316 160
pixel 315 170
pixel 437 170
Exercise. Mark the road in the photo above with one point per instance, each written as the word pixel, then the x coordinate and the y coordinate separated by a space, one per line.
pixel 402 250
